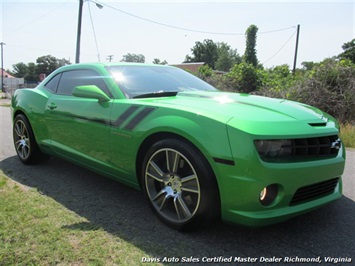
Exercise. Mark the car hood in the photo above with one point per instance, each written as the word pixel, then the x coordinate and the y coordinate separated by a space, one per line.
pixel 244 111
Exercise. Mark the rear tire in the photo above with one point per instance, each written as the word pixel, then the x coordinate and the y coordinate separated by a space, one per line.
pixel 180 185
pixel 25 143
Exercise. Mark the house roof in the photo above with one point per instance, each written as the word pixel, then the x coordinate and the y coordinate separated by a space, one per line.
pixel 193 67
pixel 5 74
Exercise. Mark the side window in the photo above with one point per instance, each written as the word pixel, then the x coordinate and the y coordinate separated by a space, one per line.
pixel 72 79
pixel 52 85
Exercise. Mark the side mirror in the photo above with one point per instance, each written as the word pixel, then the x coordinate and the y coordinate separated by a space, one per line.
pixel 90 91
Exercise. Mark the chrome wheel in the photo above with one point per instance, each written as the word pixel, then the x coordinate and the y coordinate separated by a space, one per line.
pixel 22 140
pixel 25 142
pixel 172 185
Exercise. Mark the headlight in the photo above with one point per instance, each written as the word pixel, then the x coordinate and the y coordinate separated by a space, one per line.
pixel 274 148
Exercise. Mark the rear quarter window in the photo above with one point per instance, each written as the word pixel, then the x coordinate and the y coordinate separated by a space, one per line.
pixel 52 85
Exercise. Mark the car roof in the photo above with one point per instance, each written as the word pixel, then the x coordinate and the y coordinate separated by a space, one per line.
pixel 90 65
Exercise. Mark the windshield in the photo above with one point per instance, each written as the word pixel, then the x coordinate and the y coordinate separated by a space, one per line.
pixel 138 81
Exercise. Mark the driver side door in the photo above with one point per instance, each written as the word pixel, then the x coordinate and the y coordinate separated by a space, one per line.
pixel 79 128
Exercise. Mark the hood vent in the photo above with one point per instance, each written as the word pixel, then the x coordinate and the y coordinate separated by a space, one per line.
pixel 323 124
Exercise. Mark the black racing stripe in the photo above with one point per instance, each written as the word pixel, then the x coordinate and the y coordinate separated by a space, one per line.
pixel 138 118
pixel 96 120
pixel 223 161
pixel 125 115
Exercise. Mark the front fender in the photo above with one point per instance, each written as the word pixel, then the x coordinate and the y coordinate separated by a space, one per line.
pixel 208 135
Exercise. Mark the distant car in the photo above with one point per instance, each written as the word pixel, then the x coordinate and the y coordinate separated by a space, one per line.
pixel 197 153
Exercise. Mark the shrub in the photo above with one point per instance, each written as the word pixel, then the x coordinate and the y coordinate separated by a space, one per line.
pixel 330 87
pixel 243 77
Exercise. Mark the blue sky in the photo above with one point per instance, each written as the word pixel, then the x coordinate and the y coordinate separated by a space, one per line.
pixel 35 28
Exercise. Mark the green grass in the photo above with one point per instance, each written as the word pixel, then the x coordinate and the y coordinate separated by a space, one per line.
pixel 37 230
pixel 347 135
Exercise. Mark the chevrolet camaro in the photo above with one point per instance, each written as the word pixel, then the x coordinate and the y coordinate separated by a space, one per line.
pixel 197 153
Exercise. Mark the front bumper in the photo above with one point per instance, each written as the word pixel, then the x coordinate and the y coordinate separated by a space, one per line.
pixel 240 186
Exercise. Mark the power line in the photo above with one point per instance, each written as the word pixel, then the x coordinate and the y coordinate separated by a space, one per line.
pixel 93 29
pixel 37 18
pixel 280 48
pixel 186 29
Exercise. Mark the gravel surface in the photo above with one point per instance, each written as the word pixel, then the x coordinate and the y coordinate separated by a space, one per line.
pixel 121 211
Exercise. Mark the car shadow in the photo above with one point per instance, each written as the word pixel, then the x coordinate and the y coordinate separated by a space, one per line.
pixel 123 212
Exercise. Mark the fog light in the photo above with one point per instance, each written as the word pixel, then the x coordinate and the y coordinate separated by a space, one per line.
pixel 268 194
pixel 263 194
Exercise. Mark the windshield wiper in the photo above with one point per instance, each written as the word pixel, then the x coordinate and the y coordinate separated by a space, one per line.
pixel 156 94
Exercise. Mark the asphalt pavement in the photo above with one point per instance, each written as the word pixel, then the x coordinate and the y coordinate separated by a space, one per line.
pixel 324 234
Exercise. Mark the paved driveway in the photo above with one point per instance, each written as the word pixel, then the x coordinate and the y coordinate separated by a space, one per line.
pixel 121 211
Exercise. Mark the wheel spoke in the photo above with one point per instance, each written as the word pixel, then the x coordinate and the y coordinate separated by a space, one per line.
pixel 181 209
pixel 165 195
pixel 172 161
pixel 188 178
pixel 172 185
pixel 176 162
pixel 159 194
pixel 157 178
pixel 21 139
pixel 157 169
pixel 189 189
pixel 18 129
pixel 24 151
pixel 18 144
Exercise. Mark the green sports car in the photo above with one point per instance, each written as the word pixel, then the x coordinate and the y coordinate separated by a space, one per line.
pixel 197 153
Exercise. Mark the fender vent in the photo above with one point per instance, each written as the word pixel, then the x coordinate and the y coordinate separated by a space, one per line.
pixel 317 124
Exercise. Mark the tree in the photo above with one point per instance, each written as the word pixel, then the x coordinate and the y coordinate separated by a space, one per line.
pixel 250 51
pixel 20 70
pixel 309 65
pixel 47 64
pixel 277 79
pixel 349 51
pixel 159 62
pixel 206 51
pixel 136 58
pixel 31 73
pixel 28 72
pixel 244 78
pixel 227 57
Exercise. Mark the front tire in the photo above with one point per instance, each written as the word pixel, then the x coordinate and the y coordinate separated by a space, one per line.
pixel 180 185
pixel 25 144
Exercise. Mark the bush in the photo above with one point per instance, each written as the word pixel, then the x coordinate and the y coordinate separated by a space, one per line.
pixel 329 87
pixel 243 77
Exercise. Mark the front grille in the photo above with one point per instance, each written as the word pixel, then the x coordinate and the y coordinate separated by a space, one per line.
pixel 314 191
pixel 297 150
pixel 316 147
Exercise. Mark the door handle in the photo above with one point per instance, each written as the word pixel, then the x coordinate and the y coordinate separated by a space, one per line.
pixel 52 106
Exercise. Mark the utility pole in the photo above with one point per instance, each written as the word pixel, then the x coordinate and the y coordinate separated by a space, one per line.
pixel 109 57
pixel 77 55
pixel 78 35
pixel 2 66
pixel 296 50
